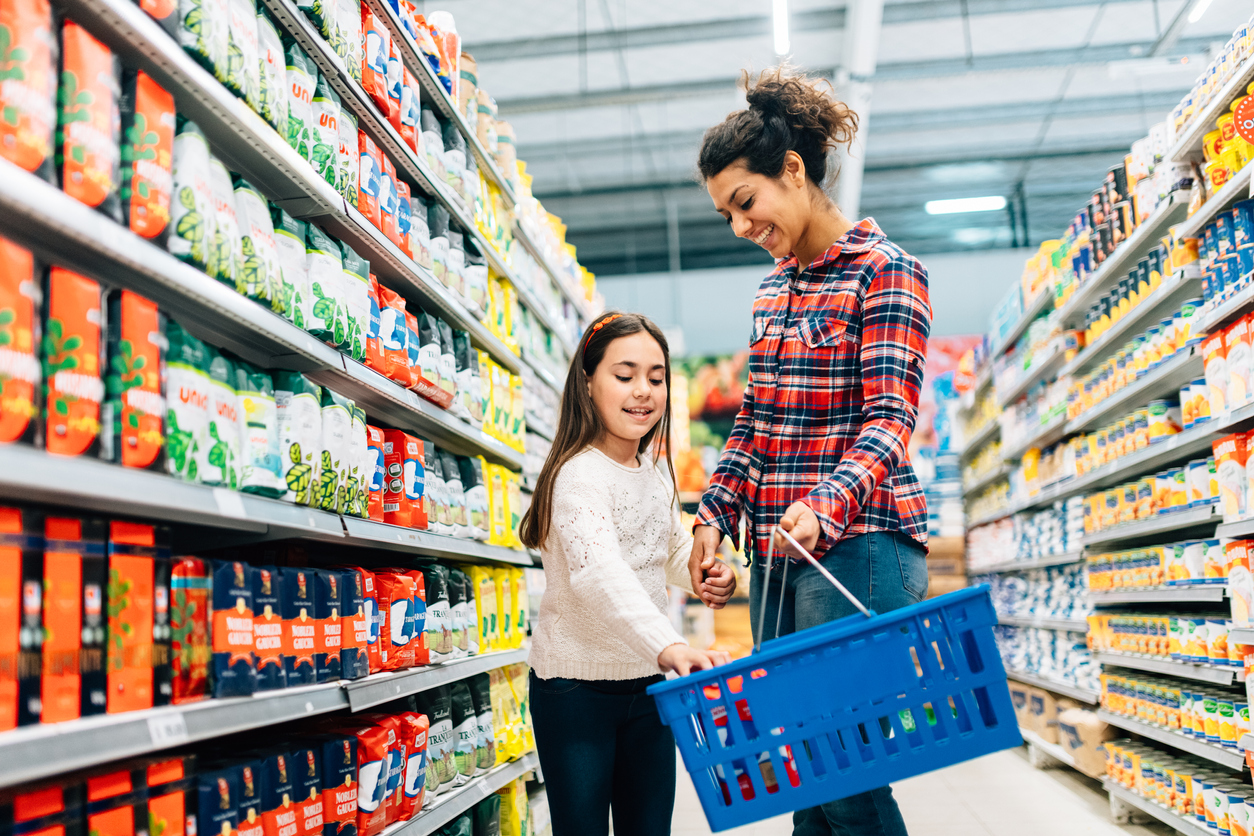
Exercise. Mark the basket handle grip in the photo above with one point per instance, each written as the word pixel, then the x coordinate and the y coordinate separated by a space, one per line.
pixel 766 584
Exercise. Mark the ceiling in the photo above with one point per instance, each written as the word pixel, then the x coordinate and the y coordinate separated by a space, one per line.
pixel 609 100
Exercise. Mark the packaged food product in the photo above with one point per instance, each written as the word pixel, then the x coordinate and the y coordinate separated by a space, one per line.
pixel 388 197
pixel 189 629
pixel 404 218
pixel 354 625
pixel 368 181
pixel 459 598
pixel 242 74
pixel 328 588
pixel 436 704
pixel 233 672
pixel 348 156
pixel 414 731
pixel 356 286
pixel 299 406
pixel 259 277
pixel 29 96
pixel 301 80
pixel 375 57
pixel 476 496
pixel 376 473
pixel 147 153
pixel 268 629
pixel 328 316
pixel 324 153
pixel 89 157
pixel 1238 357
pixel 337 426
pixel 134 406
pixel 272 92
pixel 465 732
pixel 289 239
pixel 72 353
pixel 219 456
pixel 396 591
pixel 1230 455
pixel 257 415
pixel 439 622
pixel 300 629
pixel 393 337
pixel 20 338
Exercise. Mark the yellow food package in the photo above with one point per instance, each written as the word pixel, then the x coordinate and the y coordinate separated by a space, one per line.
pixel 518 422
pixel 518 594
pixel 515 809
pixel 483 585
pixel 504 614
pixel 514 507
pixel 518 682
pixel 498 505
pixel 500 403
pixel 485 387
pixel 500 713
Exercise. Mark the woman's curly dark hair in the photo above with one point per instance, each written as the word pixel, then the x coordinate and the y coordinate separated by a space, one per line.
pixel 788 111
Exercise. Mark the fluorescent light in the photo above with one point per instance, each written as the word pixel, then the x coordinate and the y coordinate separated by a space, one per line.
pixel 780 14
pixel 965 204
pixel 1199 9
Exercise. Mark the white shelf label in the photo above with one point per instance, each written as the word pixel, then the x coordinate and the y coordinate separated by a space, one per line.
pixel 168 729
pixel 230 503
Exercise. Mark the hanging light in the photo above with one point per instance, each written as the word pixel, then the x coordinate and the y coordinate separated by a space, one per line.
pixel 780 15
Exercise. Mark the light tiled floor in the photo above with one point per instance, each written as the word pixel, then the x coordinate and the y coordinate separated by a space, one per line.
pixel 997 795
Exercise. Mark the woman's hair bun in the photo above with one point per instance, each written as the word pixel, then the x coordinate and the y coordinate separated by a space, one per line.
pixel 788 111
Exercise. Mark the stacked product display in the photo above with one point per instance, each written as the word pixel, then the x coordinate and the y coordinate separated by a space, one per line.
pixel 277 303
pixel 1121 363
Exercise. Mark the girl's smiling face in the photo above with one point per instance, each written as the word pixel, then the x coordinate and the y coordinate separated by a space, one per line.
pixel 629 391
pixel 772 212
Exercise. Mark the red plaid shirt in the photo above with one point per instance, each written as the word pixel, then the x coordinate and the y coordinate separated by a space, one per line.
pixel 835 367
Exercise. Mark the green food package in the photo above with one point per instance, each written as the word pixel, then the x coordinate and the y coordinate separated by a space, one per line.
pixel 289 238
pixel 354 37
pixel 259 276
pixel 203 31
pixel 299 404
pixel 487 816
pixel 323 14
pixel 357 302
pixel 328 315
pixel 324 153
pixel 301 75
pixel 243 53
pixel 272 95
pixel 360 453
pixel 224 253
pixel 187 402
pixel 348 156
pixel 260 472
pixel 336 455
pixel 191 206
pixel 436 703
pixel 465 732
pixel 220 460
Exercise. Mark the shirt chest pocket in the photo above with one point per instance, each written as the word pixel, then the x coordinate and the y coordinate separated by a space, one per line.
pixel 825 346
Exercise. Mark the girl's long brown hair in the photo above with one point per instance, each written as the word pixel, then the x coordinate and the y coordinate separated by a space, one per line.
pixel 580 424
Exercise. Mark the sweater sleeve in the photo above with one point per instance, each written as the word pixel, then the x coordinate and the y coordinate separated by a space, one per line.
pixel 679 549
pixel 599 577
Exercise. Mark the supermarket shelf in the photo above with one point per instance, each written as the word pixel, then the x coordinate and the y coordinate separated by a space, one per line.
pixel 1198 672
pixel 1194 593
pixel 986 434
pixel 1048 434
pixel 541 372
pixel 573 296
pixel 1042 370
pixel 1116 266
pixel 1241 635
pixel 988 479
pixel 989 518
pixel 982 380
pixel 1024 565
pixel 1237 419
pixel 1052 749
pixel 34 752
pixel 1238 188
pixel 1179 447
pixel 1188 145
pixel 1232 759
pixel 1166 299
pixel 1180 824
pixel 1236 529
pixel 1067 689
pixel 1071 625
pixel 1227 309
pixel 379 688
pixel 376 535
pixel 1043 301
pixel 540 428
pixel 452 804
pixel 1157 383
pixel 1160 524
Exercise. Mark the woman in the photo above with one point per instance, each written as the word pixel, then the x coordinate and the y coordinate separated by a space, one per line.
pixel 836 361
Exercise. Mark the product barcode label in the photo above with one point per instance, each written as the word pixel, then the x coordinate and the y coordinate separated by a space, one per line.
pixel 168 729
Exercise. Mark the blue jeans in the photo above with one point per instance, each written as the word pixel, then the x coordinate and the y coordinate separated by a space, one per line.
pixel 883 570
pixel 604 748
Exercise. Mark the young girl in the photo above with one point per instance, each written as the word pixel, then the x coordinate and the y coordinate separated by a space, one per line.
pixel 605 519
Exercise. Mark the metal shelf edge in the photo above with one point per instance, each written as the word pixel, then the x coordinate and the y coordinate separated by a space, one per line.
pixel 384 687
pixel 453 803
pixel 1024 565
pixel 1185 670
pixel 1167 817
pixel 1065 688
pixel 1228 758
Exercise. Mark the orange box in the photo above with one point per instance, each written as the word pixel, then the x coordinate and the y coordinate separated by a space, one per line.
pixel 133 551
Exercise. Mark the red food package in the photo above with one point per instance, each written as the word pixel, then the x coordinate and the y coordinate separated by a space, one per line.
pixel 409 110
pixel 393 337
pixel 412 355
pixel 394 789
pixel 395 78
pixel 397 503
pixel 374 620
pixel 368 179
pixel 404 220
pixel 414 729
pixel 374 60
pixel 373 758
pixel 422 654
pixel 374 340
pixel 376 476
pixel 396 603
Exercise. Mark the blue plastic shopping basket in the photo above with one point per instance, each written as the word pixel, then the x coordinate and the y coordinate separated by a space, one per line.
pixel 842 708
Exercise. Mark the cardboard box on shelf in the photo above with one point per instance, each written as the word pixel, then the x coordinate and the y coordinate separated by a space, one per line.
pixel 1082 734
pixel 941 584
pixel 946 557
pixel 1043 715
pixel 1019 698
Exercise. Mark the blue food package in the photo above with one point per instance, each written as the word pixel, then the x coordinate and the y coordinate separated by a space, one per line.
pixel 328 584
pixel 300 628
pixel 217 798
pixel 268 629
pixel 234 669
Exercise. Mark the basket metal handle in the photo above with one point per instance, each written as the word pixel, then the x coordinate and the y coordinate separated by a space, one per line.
pixel 766 584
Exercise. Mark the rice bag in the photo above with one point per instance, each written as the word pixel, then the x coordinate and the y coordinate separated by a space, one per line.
pixel 187 401
pixel 301 78
pixel 289 240
pixel 272 93
pixel 243 49
pixel 260 472
pixel 337 428
pixel 220 457
pixel 299 406
pixel 226 259
pixel 192 202
pixel 260 276
pixel 328 316
pixel 324 154
pixel 356 285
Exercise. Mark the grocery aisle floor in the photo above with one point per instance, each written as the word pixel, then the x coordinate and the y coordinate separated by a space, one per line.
pixel 997 795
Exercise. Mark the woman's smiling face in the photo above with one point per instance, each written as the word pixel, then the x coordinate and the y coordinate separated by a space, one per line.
pixel 772 212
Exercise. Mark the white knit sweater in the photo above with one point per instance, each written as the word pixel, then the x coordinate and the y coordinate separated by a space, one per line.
pixel 615 542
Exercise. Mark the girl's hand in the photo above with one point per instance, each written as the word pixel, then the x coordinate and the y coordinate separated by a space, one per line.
pixel 712 580
pixel 684 660
pixel 803 525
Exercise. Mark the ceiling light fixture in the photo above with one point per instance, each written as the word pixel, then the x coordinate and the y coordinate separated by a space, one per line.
pixel 780 15
pixel 1199 9
pixel 965 204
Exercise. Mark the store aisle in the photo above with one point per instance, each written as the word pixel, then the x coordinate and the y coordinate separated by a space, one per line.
pixel 997 795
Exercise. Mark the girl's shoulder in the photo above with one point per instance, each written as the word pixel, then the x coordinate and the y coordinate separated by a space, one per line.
pixel 592 470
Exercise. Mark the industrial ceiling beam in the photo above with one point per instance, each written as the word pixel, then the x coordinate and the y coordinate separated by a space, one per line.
pixel 854 77
pixel 897 71
pixel 814 20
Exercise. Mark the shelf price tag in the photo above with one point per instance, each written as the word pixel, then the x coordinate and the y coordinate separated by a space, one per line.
pixel 168 729
pixel 230 503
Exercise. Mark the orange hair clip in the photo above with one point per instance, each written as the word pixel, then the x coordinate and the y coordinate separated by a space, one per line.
pixel 601 325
